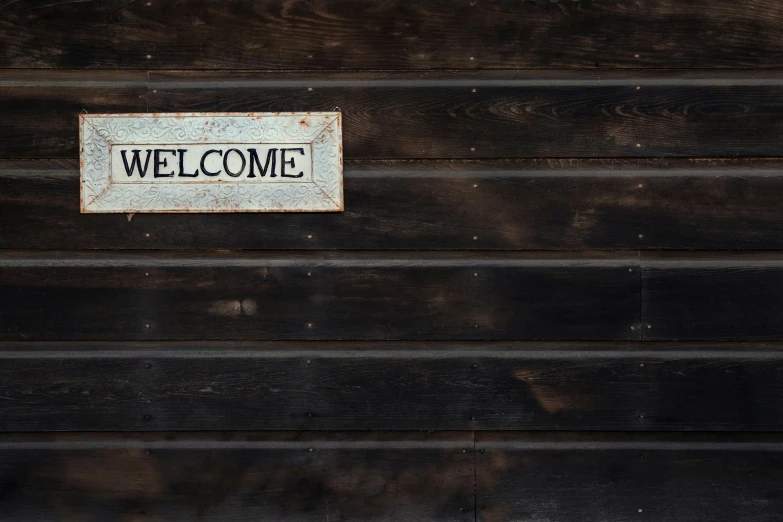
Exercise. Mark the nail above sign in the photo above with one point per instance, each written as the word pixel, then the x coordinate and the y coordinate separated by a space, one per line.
pixel 211 162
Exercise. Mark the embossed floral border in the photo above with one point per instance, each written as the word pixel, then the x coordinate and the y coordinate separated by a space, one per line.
pixel 323 130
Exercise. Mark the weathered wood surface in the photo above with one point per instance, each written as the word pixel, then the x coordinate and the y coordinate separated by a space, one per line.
pixel 389 385
pixel 712 296
pixel 238 477
pixel 391 476
pixel 318 295
pixel 468 205
pixel 398 34
pixel 619 477
pixel 41 109
pixel 509 114
pixel 459 117
pixel 436 115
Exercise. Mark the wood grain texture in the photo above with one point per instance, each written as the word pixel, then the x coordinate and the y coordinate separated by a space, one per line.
pixel 436 115
pixel 41 109
pixel 509 114
pixel 466 204
pixel 319 295
pixel 389 385
pixel 390 476
pixel 712 296
pixel 237 477
pixel 395 34
pixel 619 477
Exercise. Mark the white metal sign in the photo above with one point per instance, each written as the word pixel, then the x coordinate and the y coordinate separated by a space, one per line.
pixel 211 162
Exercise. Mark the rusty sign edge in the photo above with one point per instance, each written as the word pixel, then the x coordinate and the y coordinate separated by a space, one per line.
pixel 99 132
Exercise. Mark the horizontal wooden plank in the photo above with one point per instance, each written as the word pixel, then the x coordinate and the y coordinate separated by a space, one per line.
pixel 712 296
pixel 237 477
pixel 397 34
pixel 390 476
pixel 41 109
pixel 389 385
pixel 436 115
pixel 317 295
pixel 428 204
pixel 620 477
pixel 509 114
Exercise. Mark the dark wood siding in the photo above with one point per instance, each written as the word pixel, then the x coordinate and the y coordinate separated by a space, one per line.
pixel 713 295
pixel 553 294
pixel 318 295
pixel 536 204
pixel 240 385
pixel 618 477
pixel 396 34
pixel 393 115
pixel 221 476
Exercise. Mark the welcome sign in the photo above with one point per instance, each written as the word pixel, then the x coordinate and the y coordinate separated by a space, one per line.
pixel 211 162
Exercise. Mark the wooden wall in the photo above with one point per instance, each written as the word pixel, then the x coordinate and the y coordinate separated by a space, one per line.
pixel 554 294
